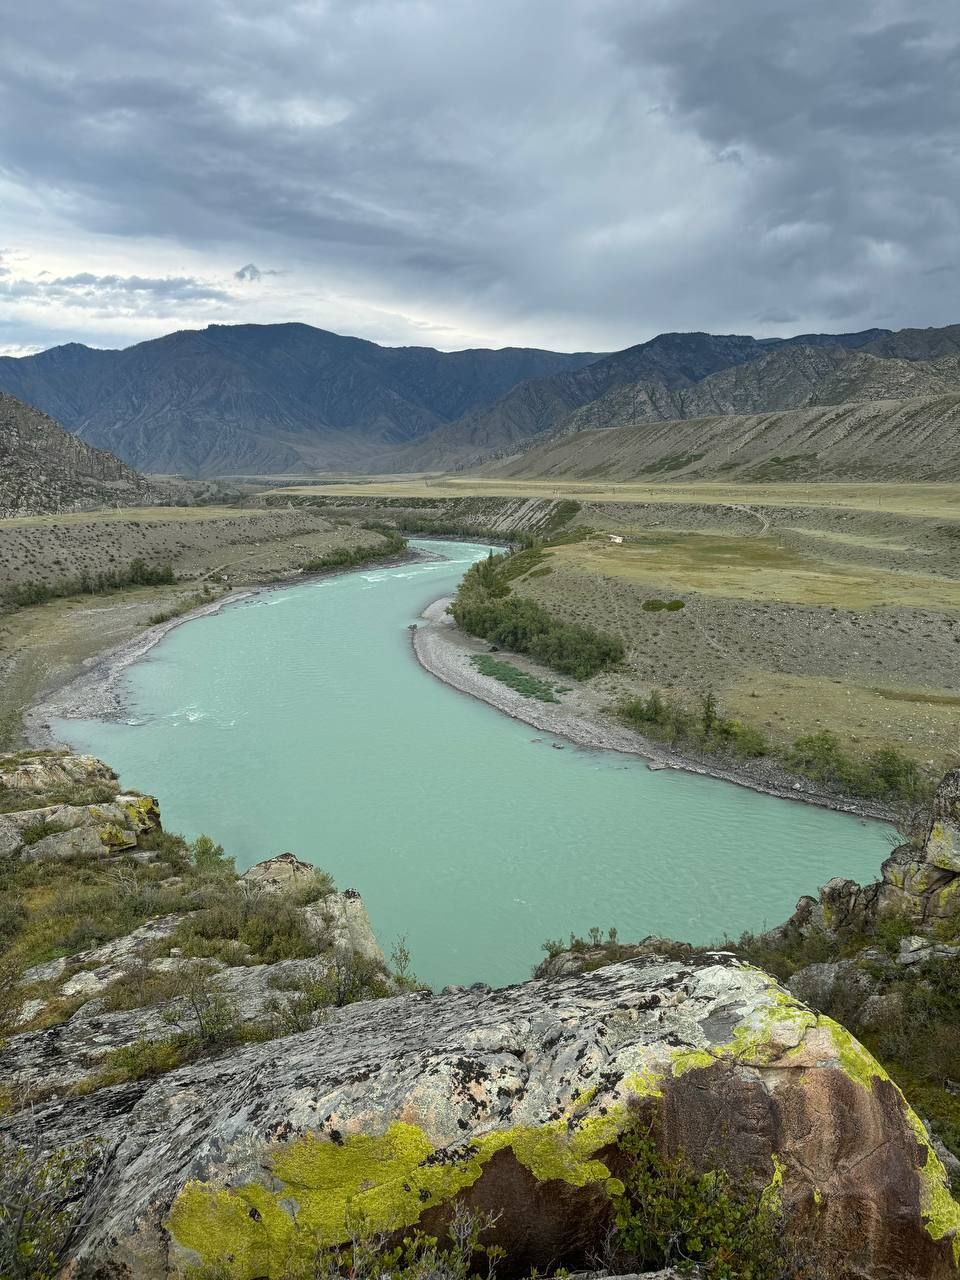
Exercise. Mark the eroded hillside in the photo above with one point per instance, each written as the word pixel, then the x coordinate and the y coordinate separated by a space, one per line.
pixel 44 468
pixel 899 440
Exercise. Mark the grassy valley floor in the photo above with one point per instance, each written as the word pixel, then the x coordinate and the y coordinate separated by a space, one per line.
pixel 802 608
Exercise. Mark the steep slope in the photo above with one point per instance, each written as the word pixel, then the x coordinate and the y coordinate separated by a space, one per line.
pixel 44 468
pixel 788 378
pixel 671 361
pixel 264 397
pixel 911 439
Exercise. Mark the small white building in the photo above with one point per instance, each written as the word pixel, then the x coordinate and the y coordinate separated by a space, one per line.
pixel 614 537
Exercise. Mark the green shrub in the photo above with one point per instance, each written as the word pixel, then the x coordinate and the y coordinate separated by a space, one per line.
pixel 13 916
pixel 485 607
pixel 672 1215
pixel 209 858
pixel 40 1204
pixel 348 557
pixel 525 627
pixel 240 921
pixel 139 1060
pixel 884 775
pixel 137 574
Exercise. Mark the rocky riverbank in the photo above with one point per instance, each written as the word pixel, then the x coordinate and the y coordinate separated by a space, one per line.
pixel 582 717
pixel 194 1060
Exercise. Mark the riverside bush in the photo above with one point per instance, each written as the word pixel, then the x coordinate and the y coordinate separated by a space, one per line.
pixel 346 557
pixel 137 574
pixel 884 775
pixel 525 627
pixel 668 720
pixel 485 607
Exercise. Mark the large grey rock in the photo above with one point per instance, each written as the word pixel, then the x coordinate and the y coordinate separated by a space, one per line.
pixel 285 871
pixel 917 949
pixel 341 919
pixel 56 1057
pixel 40 773
pixel 79 830
pixel 512 1101
pixel 925 883
pixel 101 966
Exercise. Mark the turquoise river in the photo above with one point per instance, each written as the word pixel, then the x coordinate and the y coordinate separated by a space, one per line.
pixel 299 719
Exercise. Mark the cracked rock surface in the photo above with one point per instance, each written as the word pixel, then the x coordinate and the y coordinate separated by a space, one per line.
pixel 519 1095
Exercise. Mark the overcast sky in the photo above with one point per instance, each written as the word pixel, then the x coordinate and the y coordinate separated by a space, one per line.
pixel 576 174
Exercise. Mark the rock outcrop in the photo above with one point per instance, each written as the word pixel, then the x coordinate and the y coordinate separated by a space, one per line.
pixel 44 468
pixel 91 817
pixel 922 883
pixel 48 1059
pixel 71 831
pixel 32 777
pixel 511 1100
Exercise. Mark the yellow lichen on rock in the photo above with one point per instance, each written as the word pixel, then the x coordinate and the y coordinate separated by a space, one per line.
pixel 940 1211
pixel 114 837
pixel 325 1189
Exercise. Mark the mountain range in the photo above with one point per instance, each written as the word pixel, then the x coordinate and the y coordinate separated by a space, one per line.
pixel 269 399
pixel 670 362
pixel 264 398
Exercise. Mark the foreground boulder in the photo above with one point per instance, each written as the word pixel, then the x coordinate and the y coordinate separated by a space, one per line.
pixel 511 1101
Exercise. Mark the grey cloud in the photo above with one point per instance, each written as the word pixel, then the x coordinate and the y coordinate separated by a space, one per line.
pixel 251 273
pixel 597 171
pixel 84 290
pixel 184 287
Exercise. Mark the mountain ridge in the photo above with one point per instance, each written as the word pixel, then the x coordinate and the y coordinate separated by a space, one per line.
pixel 248 399
pixel 536 407
pixel 910 439
pixel 270 397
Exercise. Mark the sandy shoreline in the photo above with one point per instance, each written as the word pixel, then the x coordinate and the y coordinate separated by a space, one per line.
pixel 443 650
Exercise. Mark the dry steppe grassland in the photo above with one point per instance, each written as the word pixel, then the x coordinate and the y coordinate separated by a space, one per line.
pixel 806 606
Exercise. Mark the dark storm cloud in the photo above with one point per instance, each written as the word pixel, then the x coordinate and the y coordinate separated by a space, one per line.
pixel 578 171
